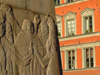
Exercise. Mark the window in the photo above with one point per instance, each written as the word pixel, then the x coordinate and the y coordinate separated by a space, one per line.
pixel 70 24
pixel 70 27
pixel 89 60
pixel 88 24
pixel 57 2
pixel 87 20
pixel 59 28
pixel 70 59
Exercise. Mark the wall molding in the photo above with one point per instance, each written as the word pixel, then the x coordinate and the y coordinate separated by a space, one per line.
pixel 79 36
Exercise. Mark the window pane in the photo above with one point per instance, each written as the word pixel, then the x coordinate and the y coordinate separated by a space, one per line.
pixel 90 23
pixel 73 53
pixel 86 26
pixel 72 25
pixel 69 55
pixel 92 62
pixel 86 23
pixel 73 30
pixel 69 26
pixel 90 18
pixel 58 1
pixel 87 62
pixel 91 52
pixel 55 2
pixel 72 21
pixel 68 0
pixel 87 53
pixel 68 22
pixel 87 57
pixel 69 31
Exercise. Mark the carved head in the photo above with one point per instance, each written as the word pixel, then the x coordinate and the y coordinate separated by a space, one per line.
pixel 6 8
pixel 27 26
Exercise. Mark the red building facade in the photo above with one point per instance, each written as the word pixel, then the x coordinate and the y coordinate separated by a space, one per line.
pixel 79 36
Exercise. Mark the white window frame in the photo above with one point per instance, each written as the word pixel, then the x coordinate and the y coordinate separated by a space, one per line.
pixel 59 19
pixel 85 13
pixel 66 59
pixel 69 16
pixel 83 57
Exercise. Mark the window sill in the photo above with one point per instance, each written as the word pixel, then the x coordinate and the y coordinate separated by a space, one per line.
pixel 92 68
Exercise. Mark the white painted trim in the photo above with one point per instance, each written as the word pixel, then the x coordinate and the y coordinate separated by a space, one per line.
pixel 84 45
pixel 80 36
pixel 70 3
pixel 86 69
pixel 87 9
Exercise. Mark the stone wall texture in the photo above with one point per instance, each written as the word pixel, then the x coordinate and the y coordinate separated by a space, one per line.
pixel 41 6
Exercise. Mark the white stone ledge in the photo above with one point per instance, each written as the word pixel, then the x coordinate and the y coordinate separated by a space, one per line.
pixel 79 36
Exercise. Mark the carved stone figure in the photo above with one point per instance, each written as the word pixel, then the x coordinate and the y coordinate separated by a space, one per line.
pixel 10 18
pixel 22 44
pixel 2 51
pixel 26 47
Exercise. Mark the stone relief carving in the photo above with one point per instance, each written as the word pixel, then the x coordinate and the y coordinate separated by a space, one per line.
pixel 30 48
